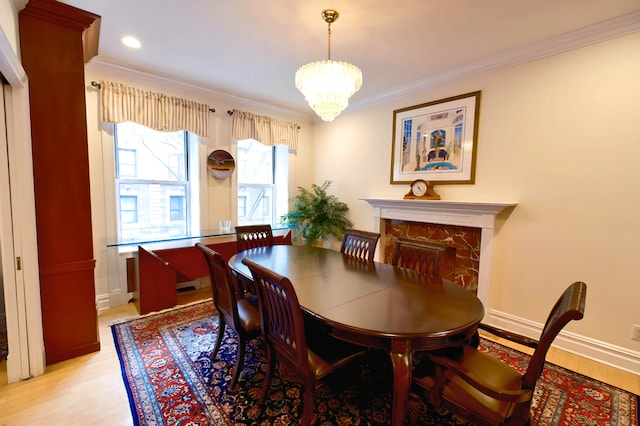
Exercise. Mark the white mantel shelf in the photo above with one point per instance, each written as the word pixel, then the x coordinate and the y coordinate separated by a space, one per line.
pixel 475 214
pixel 463 213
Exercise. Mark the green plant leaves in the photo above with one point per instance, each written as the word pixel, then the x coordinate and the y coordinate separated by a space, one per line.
pixel 317 215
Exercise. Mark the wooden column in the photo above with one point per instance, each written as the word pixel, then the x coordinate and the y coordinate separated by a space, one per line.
pixel 56 40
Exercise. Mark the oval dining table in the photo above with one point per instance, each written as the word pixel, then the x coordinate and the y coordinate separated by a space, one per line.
pixel 375 305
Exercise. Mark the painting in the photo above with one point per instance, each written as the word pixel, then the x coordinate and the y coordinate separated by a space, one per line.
pixel 436 141
pixel 220 164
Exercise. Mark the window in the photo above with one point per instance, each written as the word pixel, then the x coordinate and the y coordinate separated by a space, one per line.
pixel 178 207
pixel 152 183
pixel 242 206
pixel 128 209
pixel 127 162
pixel 262 183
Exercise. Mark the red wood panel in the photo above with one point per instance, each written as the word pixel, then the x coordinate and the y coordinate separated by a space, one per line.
pixel 188 261
pixel 157 282
pixel 70 328
pixel 284 240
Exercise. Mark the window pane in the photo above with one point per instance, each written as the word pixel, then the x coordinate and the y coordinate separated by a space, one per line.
pixel 255 183
pixel 242 206
pixel 128 209
pixel 255 162
pixel 161 211
pixel 255 204
pixel 178 207
pixel 127 162
pixel 159 156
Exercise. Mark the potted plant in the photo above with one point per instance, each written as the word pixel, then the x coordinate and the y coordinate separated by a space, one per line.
pixel 316 215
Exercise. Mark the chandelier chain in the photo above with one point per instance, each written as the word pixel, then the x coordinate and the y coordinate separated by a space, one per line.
pixel 329 43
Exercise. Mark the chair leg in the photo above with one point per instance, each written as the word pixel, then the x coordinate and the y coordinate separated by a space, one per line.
pixel 221 327
pixel 267 377
pixel 435 394
pixel 242 343
pixel 307 404
pixel 474 341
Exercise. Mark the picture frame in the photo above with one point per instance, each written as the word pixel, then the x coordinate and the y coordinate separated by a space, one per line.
pixel 436 141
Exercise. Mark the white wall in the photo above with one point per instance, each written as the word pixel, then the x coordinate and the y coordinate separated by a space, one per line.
pixel 9 22
pixel 218 195
pixel 561 137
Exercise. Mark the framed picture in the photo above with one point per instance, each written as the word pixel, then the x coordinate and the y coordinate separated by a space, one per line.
pixel 436 141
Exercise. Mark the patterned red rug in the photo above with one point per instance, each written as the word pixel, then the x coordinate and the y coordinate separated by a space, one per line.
pixel 170 378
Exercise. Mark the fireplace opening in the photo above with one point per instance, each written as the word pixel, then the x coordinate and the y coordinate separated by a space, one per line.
pixel 461 263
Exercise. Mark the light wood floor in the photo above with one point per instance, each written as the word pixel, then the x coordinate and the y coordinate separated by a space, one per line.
pixel 89 390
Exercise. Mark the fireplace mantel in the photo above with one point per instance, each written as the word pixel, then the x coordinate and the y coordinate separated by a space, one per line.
pixel 461 213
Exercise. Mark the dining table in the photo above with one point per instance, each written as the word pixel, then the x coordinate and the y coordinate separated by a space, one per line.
pixel 375 305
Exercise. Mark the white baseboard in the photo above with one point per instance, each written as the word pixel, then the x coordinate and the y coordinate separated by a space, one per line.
pixel 102 302
pixel 605 353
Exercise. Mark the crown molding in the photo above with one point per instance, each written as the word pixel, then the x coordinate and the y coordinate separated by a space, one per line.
pixel 596 33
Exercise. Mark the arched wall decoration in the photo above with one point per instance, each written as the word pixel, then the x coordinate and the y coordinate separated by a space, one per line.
pixel 221 164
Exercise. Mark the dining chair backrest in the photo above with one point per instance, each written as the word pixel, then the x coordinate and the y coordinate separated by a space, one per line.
pixel 282 320
pixel 569 307
pixel 253 236
pixel 224 289
pixel 360 244
pixel 424 256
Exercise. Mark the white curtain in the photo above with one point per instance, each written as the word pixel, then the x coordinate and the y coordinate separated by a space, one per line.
pixel 120 103
pixel 265 130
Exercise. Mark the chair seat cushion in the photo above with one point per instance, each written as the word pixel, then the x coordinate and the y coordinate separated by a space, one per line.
pixel 249 314
pixel 327 354
pixel 495 373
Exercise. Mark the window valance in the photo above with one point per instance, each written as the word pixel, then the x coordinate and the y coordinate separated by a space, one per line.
pixel 266 130
pixel 120 103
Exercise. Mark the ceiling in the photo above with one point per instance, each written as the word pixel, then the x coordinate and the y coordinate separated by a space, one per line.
pixel 252 48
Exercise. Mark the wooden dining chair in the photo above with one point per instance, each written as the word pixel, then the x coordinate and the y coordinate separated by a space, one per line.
pixel 241 314
pixel 248 237
pixel 424 256
pixel 486 390
pixel 253 236
pixel 283 327
pixel 360 244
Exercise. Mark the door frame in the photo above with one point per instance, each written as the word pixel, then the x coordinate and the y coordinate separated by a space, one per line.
pixel 22 292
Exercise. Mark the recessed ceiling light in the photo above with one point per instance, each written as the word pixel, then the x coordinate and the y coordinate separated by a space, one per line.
pixel 131 42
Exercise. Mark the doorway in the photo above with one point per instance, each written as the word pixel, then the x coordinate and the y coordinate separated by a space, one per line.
pixel 4 202
pixel 18 240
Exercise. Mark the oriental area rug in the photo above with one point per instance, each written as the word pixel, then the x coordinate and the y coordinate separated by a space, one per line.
pixel 171 380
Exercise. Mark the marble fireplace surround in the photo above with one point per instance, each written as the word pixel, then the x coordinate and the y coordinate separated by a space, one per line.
pixel 459 213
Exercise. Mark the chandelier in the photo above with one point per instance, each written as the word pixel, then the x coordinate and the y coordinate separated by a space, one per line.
pixel 328 85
